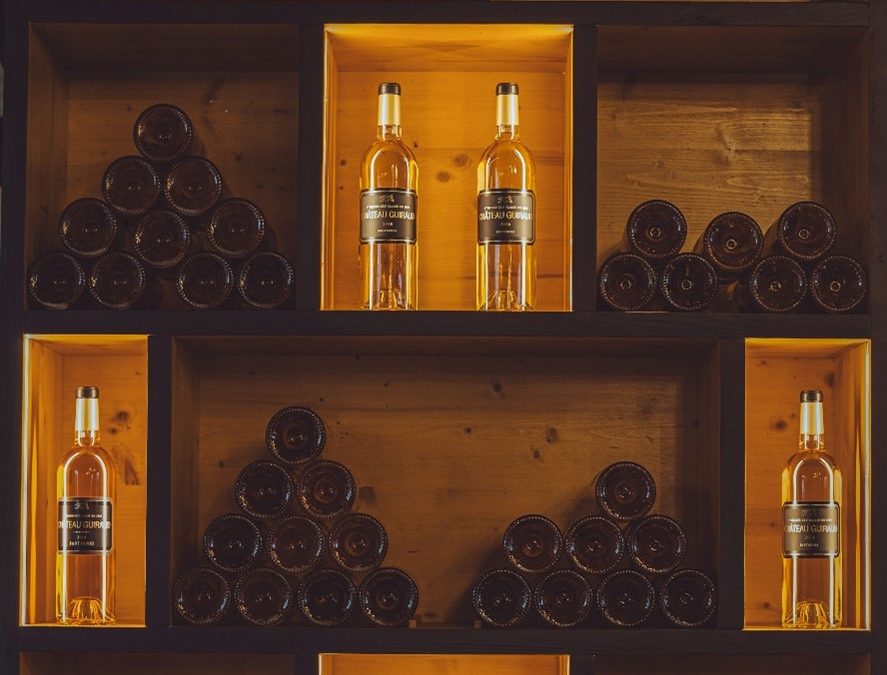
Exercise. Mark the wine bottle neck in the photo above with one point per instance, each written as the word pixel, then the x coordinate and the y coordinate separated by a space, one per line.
pixel 86 421
pixel 507 117
pixel 389 116
pixel 812 428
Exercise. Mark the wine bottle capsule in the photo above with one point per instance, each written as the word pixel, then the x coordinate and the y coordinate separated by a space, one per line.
pixel 532 543
pixel 263 597
pixel 625 491
pixel 264 490
pixel 625 598
pixel 388 597
pixel 563 598
pixel 595 544
pixel 326 489
pixel 327 597
pixel 501 598
pixel 201 597
pixel 656 544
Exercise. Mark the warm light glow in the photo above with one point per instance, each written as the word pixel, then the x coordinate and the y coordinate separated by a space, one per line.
pixel 444 664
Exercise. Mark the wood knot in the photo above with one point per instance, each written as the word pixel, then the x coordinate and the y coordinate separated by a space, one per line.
pixel 367 494
pixel 780 425
pixel 461 160
pixel 497 387
pixel 443 176
pixel 551 435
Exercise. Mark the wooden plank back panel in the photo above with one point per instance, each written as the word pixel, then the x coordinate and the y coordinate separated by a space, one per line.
pixel 447 450
pixel 774 378
pixel 151 664
pixel 731 665
pixel 438 664
pixel 448 119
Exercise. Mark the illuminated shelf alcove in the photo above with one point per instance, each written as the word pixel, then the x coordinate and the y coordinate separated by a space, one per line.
pixel 438 664
pixel 732 665
pixel 89 663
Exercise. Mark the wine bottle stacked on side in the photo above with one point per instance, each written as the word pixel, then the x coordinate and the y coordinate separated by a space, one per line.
pixel 293 546
pixel 620 565
pixel 165 220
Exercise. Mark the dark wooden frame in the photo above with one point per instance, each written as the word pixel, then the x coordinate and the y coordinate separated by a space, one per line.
pixel 305 319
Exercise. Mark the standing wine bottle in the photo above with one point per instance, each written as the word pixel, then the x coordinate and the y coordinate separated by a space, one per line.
pixel 595 544
pixel 388 597
pixel 656 230
pixel 358 542
pixel 625 491
pixel 204 280
pixel 501 598
pixel 688 598
pixel 161 240
pixel 201 597
pixel 295 435
pixel 689 282
pixel 266 280
pixel 263 597
pixel 56 280
pixel 532 543
pixel 119 281
pixel 776 284
pixel 296 544
pixel 86 488
pixel 627 282
pixel 389 180
pixel 326 489
pixel 163 133
pixel 327 597
pixel 193 186
pixel 506 214
pixel 838 284
pixel 88 227
pixel 563 599
pixel 806 231
pixel 626 598
pixel 131 186
pixel 811 525
pixel 232 543
pixel 732 243
pixel 656 544
pixel 264 490
pixel 237 228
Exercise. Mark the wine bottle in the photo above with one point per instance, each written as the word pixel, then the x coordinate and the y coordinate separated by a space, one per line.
pixel 656 544
pixel 131 186
pixel 532 543
pixel 163 133
pixel 327 597
pixel 232 543
pixel 506 214
pixel 732 243
pixel 563 599
pixel 627 282
pixel 389 178
pixel 296 544
pixel 358 542
pixel 326 489
pixel 56 280
pixel 595 544
pixel 688 598
pixel 656 230
pixel 264 490
pixel 295 435
pixel 501 598
pixel 193 186
pixel 201 597
pixel 85 561
pixel 625 598
pixel 388 597
pixel 236 228
pixel 811 525
pixel 805 231
pixel 689 283
pixel 204 280
pixel 263 597
pixel 625 491
pixel 266 280
pixel 838 283
pixel 119 281
pixel 162 240
pixel 776 284
pixel 88 227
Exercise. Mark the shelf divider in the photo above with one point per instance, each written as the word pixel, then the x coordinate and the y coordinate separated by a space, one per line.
pixel 581 664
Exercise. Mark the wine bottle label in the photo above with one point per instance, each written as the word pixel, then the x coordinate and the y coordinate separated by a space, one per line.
pixel 811 529
pixel 506 217
pixel 388 215
pixel 84 525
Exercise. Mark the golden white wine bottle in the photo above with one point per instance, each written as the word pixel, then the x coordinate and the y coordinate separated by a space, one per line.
pixel 811 523
pixel 506 214
pixel 389 178
pixel 85 560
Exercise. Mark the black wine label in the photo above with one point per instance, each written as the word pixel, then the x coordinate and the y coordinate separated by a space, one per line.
pixel 506 217
pixel 811 529
pixel 84 525
pixel 388 215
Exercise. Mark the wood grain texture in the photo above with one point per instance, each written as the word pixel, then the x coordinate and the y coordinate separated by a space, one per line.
pixel 151 664
pixel 52 380
pixel 434 664
pixel 448 82
pixel 732 665
pixel 448 449
pixel 776 371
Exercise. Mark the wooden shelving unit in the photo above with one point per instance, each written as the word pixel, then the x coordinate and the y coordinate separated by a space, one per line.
pixel 446 417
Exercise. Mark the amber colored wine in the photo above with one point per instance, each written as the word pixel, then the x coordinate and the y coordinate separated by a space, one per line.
pixel 563 598
pixel 625 491
pixel 88 227
pixel 358 542
pixel 389 185
pixel 56 280
pixel 595 544
pixel 627 282
pixel 388 597
pixel 201 596
pixel 327 597
pixel 506 214
pixel 86 491
pixel 501 598
pixel 295 435
pixel 326 489
pixel 263 597
pixel 688 598
pixel 532 543
pixel 656 544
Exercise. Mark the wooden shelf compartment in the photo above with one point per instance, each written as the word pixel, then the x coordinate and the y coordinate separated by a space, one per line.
pixel 131 663
pixel 450 439
pixel 776 371
pixel 444 664
pixel 745 119
pixel 54 367
pixel 732 665
pixel 448 73
pixel 87 83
